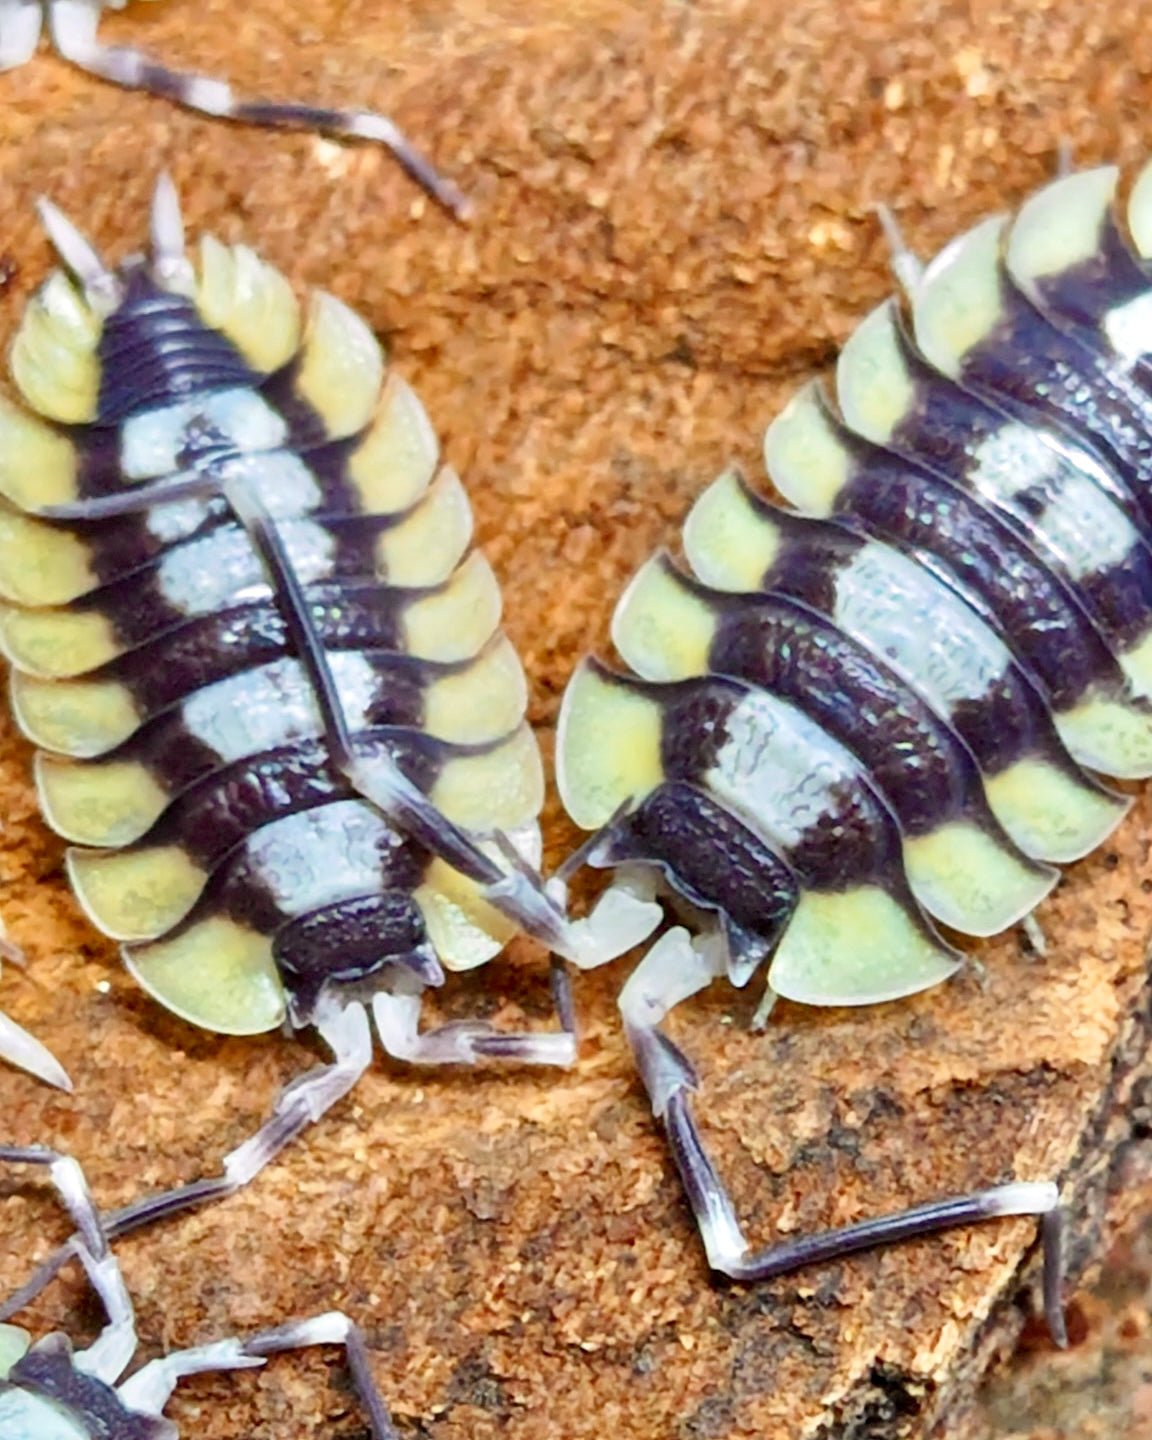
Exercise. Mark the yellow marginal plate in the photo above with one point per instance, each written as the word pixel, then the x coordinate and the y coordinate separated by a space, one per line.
pixel 341 367
pixel 250 302
pixel 857 947
pixel 608 746
pixel 73 717
pixel 428 544
pixel 395 462
pixel 1050 814
pixel 464 929
pixel 57 643
pixel 499 789
pixel 805 458
pixel 959 302
pixel 481 703
pixel 113 802
pixel 135 894
pixel 729 542
pixel 873 386
pixel 1109 736
pixel 661 627
pixel 966 879
pixel 215 974
pixel 1060 226
pixel 53 357
pixel 37 465
pixel 456 620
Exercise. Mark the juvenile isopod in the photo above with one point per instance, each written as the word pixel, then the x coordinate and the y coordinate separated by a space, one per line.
pixel 896 706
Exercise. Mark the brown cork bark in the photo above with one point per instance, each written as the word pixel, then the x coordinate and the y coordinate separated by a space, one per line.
pixel 672 232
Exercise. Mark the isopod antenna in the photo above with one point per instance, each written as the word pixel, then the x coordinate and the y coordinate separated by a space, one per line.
pixel 74 25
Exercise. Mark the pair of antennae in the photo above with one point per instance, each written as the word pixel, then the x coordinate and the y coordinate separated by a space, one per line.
pixel 102 286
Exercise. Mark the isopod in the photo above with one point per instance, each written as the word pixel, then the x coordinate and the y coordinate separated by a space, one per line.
pixel 50 1391
pixel 72 29
pixel 275 713
pixel 889 708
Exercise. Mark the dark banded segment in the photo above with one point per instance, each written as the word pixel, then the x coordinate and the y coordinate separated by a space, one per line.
pixel 972 322
pixel 856 930
pixel 348 941
pixel 712 860
pixel 961 865
pixel 935 640
pixel 1071 516
pixel 1050 623
pixel 469 701
pixel 451 621
pixel 1068 253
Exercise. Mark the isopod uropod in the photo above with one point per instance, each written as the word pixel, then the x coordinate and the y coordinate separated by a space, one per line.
pixel 886 709
pixel 49 1391
pixel 72 28
pixel 275 713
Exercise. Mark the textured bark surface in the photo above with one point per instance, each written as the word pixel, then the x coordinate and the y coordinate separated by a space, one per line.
pixel 673 230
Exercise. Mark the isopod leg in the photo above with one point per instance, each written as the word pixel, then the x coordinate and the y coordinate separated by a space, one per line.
pixel 108 1356
pixel 74 24
pixel 20 22
pixel 463 1042
pixel 148 1391
pixel 346 1031
pixel 669 1079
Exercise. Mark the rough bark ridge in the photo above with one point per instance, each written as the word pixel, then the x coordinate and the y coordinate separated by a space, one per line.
pixel 672 231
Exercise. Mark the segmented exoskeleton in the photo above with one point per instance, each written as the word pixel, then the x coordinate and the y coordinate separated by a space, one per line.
pixel 73 25
pixel 882 709
pixel 275 712
pixel 49 1391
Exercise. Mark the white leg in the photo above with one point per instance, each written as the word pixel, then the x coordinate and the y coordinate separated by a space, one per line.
pixel 108 1357
pixel 346 1031
pixel 74 24
pixel 622 918
pixel 460 1042
pixel 20 22
pixel 149 1390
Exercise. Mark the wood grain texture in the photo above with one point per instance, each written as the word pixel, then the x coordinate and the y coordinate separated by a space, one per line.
pixel 672 232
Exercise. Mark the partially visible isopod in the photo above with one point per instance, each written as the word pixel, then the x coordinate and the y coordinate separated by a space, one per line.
pixel 49 1391
pixel 887 709
pixel 72 28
